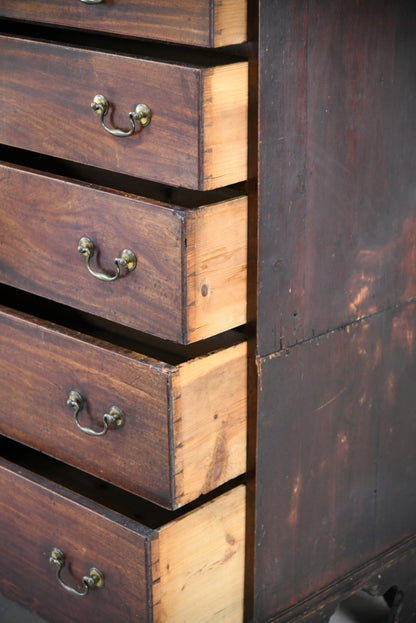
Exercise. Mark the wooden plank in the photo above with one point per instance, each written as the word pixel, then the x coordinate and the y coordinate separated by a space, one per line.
pixel 230 22
pixel 210 440
pixel 337 127
pixel 170 149
pixel 206 23
pixel 202 584
pixel 282 170
pixel 224 119
pixel 336 465
pixel 216 266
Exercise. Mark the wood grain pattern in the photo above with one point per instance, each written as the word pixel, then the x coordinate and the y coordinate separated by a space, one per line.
pixel 61 123
pixel 205 583
pixel 216 265
pixel 394 568
pixel 336 488
pixel 211 440
pixel 189 283
pixel 206 23
pixel 139 456
pixel 336 186
pixel 36 516
pixel 203 549
pixel 224 119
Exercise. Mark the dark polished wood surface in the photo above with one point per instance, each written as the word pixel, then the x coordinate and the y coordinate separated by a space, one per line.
pixel 192 22
pixel 336 489
pixel 336 176
pixel 337 231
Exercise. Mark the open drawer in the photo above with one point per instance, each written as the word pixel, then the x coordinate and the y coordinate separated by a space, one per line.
pixel 154 569
pixel 182 428
pixel 190 277
pixel 171 122
pixel 205 23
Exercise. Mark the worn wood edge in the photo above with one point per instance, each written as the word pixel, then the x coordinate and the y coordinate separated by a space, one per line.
pixel 78 499
pixel 230 22
pixel 209 406
pixel 23 319
pixel 198 564
pixel 368 576
pixel 216 269
pixel 224 125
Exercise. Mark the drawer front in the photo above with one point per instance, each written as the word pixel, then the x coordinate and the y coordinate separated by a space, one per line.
pixel 184 429
pixel 197 136
pixel 145 577
pixel 188 284
pixel 206 23
pixel 34 519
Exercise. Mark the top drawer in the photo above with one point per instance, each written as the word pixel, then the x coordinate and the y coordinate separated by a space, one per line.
pixel 205 23
pixel 197 136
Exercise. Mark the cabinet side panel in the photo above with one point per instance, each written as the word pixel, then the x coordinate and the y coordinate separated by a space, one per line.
pixel 336 181
pixel 337 456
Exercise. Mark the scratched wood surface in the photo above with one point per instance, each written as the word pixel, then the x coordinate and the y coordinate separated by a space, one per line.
pixel 336 181
pixel 337 460
pixel 393 574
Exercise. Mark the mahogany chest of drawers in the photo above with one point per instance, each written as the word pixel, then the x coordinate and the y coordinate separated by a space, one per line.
pixel 207 314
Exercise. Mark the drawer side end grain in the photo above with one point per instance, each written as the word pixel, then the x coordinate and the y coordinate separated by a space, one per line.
pixel 225 118
pixel 201 559
pixel 209 413
pixel 216 269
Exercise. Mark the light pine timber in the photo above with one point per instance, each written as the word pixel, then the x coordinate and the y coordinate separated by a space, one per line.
pixel 198 564
pixel 216 267
pixel 225 115
pixel 230 22
pixel 209 421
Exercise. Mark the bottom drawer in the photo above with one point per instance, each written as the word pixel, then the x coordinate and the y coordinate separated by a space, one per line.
pixel 176 567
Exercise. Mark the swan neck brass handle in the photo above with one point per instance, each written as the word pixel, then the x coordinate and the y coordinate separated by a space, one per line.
pixel 141 114
pixel 127 260
pixel 94 579
pixel 113 419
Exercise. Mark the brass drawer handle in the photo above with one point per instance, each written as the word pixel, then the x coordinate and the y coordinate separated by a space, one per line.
pixel 92 1
pixel 94 579
pixel 113 419
pixel 141 113
pixel 127 260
